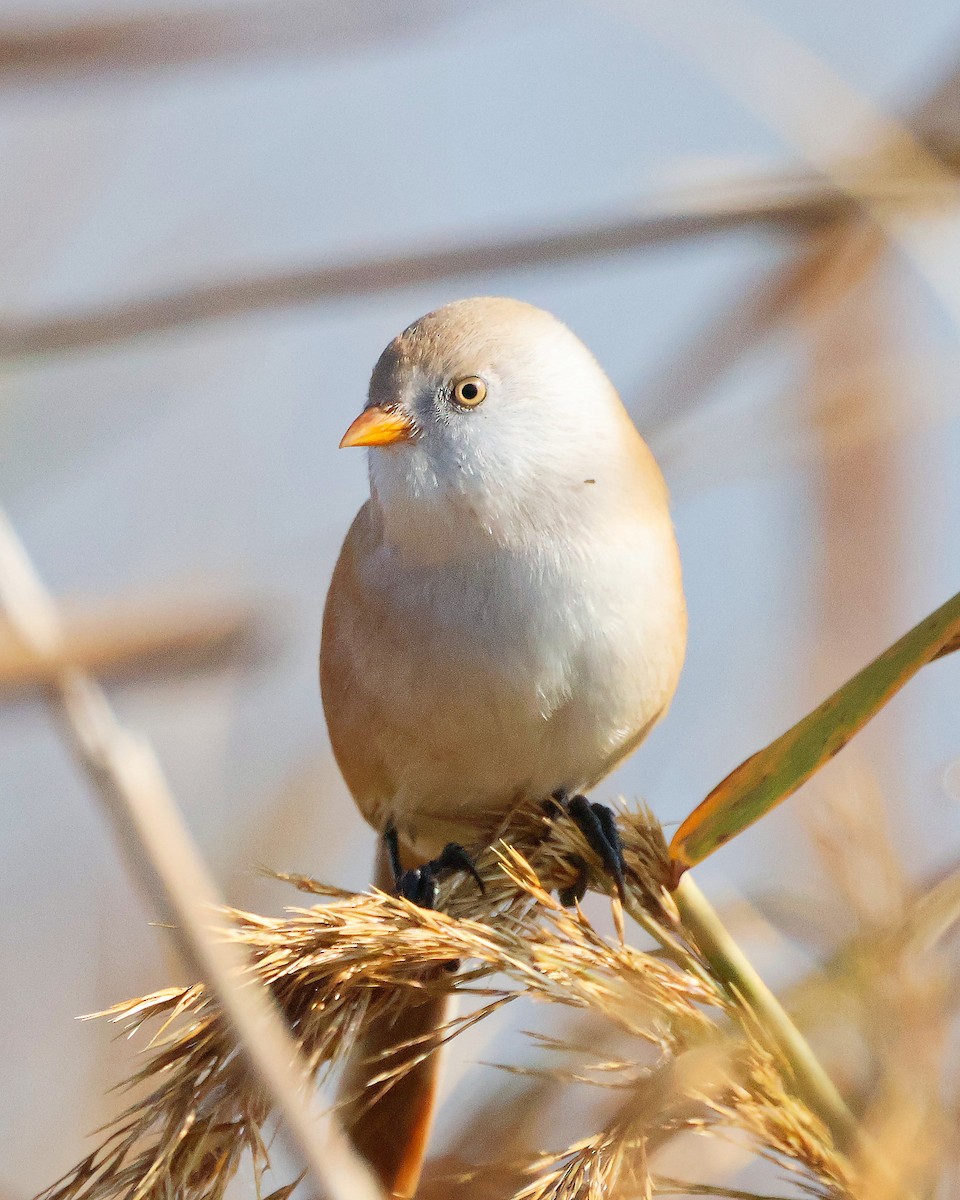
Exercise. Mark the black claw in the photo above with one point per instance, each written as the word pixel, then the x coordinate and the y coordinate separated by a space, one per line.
pixel 419 885
pixel 453 857
pixel 573 893
pixel 599 827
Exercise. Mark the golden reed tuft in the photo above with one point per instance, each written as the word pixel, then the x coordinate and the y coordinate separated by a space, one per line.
pixel 327 965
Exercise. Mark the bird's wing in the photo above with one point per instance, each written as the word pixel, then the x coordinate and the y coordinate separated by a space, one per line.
pixel 352 627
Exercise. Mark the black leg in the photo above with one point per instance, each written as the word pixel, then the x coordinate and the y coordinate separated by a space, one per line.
pixel 393 849
pixel 420 885
pixel 612 846
pixel 599 827
pixel 453 857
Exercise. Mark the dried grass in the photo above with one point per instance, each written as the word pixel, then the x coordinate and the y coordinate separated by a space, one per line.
pixel 327 967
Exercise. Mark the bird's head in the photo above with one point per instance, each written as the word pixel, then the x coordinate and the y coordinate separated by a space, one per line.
pixel 493 408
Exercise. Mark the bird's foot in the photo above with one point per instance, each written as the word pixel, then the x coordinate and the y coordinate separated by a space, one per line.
pixel 597 824
pixel 421 885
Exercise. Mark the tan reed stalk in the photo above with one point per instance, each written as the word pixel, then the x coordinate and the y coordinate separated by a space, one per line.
pixel 738 975
pixel 129 780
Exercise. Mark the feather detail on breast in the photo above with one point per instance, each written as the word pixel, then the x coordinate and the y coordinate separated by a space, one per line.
pixel 451 691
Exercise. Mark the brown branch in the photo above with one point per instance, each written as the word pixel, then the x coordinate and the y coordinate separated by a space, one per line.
pixel 783 203
pixel 130 783
pixel 804 100
pixel 223 32
pixel 128 639
pixel 677 388
pixel 774 298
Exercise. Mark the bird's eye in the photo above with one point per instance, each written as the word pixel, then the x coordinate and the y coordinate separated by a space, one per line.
pixel 469 391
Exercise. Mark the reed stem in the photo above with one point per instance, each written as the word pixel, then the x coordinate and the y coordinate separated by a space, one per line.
pixel 738 975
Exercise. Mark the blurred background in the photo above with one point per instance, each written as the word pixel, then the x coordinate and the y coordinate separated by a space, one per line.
pixel 213 216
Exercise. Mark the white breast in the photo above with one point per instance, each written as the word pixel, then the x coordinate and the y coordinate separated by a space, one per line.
pixel 531 671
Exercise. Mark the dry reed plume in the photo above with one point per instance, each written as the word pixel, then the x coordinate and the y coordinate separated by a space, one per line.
pixel 327 965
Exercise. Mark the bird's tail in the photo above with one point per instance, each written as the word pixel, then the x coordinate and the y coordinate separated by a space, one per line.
pixel 392 1132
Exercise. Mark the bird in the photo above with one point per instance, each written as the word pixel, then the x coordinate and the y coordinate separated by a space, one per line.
pixel 505 621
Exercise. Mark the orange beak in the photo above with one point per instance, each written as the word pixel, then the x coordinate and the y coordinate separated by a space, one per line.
pixel 379 426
